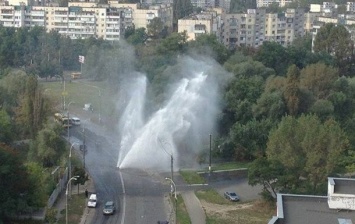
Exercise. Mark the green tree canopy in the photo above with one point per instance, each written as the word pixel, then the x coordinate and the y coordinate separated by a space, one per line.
pixel 335 40
pixel 308 149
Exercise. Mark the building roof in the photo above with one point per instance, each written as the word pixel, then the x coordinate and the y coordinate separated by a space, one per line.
pixel 338 207
pixel 344 186
pixel 300 209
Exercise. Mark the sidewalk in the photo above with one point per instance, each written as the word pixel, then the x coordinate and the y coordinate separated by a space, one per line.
pixel 192 203
pixel 194 207
pixel 61 202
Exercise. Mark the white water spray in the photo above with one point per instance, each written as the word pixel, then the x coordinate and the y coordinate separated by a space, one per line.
pixel 174 130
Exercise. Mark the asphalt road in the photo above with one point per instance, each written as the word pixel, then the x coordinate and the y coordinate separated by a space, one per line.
pixel 139 195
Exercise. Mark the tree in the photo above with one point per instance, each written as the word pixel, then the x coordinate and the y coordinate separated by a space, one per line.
pixel 138 37
pixel 173 44
pixel 292 92
pixel 155 27
pixel 273 55
pixel 181 9
pixel 308 149
pixel 336 40
pixel 264 172
pixel 207 44
pixel 319 79
pixel 6 127
pixel 48 147
pixel 32 109
pixel 15 186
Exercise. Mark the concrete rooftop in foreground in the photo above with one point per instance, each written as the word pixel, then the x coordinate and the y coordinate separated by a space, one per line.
pixel 337 207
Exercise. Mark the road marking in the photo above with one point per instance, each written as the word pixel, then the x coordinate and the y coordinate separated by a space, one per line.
pixel 124 199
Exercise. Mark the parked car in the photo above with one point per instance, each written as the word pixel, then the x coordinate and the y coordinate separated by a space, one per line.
pixel 232 196
pixel 92 201
pixel 109 208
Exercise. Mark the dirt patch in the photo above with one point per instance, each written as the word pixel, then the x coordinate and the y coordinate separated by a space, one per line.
pixel 223 210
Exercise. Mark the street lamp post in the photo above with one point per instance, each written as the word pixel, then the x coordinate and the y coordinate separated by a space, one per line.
pixel 210 165
pixel 69 120
pixel 171 158
pixel 70 170
pixel 66 203
pixel 63 91
pixel 173 185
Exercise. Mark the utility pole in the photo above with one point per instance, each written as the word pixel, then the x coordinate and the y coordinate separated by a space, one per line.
pixel 209 167
pixel 172 167
pixel 84 146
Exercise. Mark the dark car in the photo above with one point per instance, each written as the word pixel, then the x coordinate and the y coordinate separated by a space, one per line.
pixel 109 208
pixel 231 196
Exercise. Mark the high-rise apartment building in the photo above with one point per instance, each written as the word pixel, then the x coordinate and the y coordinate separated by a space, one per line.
pixel 284 28
pixel 85 19
pixel 243 29
pixel 350 6
pixel 266 3
pixel 195 25
pixel 254 27
pixel 142 15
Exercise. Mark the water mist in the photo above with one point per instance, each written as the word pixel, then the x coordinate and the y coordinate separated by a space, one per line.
pixel 177 129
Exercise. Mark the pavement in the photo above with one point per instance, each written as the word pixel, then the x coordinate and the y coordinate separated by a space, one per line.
pixel 60 205
pixel 194 207
pixel 192 203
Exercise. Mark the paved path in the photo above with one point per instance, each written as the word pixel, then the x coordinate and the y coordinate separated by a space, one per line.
pixel 61 202
pixel 194 207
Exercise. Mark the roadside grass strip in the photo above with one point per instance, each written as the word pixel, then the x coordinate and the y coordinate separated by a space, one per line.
pixel 76 206
pixel 182 215
pixel 192 177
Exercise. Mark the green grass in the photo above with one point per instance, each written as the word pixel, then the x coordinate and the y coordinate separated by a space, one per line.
pixel 213 197
pixel 229 166
pixel 76 206
pixel 254 212
pixel 191 177
pixel 182 215
pixel 27 221
pixel 80 92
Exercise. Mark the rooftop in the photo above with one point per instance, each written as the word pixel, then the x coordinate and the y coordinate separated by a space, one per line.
pixel 311 209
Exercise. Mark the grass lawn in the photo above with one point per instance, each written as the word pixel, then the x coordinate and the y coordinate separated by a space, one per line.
pixel 221 211
pixel 192 177
pixel 76 206
pixel 182 215
pixel 80 92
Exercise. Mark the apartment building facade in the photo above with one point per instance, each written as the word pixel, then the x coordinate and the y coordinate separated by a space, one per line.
pixel 256 26
pixel 266 3
pixel 243 29
pixel 142 15
pixel 85 19
pixel 195 25
pixel 350 6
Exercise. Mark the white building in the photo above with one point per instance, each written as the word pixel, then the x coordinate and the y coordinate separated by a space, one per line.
pixel 350 6
pixel 266 3
pixel 85 19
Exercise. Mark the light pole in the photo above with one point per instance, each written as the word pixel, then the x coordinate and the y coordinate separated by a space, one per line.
pixel 173 185
pixel 63 92
pixel 171 158
pixel 209 167
pixel 84 140
pixel 69 120
pixel 66 203
pixel 70 161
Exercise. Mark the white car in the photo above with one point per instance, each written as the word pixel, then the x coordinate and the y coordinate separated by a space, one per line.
pixel 75 120
pixel 92 201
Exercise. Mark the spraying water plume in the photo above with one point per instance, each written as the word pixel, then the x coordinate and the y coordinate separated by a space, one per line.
pixel 176 129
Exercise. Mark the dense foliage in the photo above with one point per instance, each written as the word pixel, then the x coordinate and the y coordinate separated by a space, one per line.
pixel 287 110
